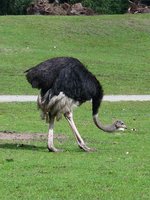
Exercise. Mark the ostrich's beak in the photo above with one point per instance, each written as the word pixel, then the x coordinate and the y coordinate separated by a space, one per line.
pixel 122 128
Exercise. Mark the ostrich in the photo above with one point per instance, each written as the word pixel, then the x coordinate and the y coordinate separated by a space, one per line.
pixel 65 83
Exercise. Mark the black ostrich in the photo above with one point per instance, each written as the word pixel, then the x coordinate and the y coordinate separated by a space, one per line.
pixel 64 83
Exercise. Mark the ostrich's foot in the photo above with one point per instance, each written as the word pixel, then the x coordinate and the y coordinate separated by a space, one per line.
pixel 86 148
pixel 53 149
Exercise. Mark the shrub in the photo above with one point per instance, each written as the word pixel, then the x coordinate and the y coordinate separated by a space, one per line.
pixel 14 7
pixel 105 6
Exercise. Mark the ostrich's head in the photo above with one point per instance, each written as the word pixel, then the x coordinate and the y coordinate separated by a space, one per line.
pixel 119 125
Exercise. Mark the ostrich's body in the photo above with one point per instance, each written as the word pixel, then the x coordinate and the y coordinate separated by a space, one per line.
pixel 64 83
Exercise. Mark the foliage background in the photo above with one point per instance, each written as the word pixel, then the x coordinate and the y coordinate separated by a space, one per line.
pixel 18 7
pixel 105 6
pixel 14 7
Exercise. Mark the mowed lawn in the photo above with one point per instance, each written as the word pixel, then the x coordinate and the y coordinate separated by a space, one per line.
pixel 118 169
pixel 117 50
pixel 114 48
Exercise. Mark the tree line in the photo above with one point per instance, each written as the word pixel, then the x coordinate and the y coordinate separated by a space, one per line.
pixel 19 7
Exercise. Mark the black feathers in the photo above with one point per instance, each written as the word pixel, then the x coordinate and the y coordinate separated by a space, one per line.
pixel 67 75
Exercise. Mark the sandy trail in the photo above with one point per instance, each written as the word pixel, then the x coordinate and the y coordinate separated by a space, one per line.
pixel 13 136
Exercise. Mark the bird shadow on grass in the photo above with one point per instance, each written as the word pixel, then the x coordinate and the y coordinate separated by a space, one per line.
pixel 21 146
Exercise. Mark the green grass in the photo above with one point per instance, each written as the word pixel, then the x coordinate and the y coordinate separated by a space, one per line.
pixel 114 48
pixel 119 169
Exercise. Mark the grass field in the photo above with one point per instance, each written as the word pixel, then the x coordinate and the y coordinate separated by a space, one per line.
pixel 119 169
pixel 117 50
pixel 114 48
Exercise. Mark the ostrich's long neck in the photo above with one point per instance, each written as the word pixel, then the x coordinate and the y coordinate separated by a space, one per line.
pixel 106 128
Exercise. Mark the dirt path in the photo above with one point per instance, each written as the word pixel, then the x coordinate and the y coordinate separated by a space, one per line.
pixel 13 136
pixel 110 98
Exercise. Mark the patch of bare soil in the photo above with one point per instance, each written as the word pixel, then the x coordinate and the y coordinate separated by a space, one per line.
pixel 11 135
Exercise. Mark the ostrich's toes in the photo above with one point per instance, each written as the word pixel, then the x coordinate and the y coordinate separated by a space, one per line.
pixel 86 148
pixel 53 149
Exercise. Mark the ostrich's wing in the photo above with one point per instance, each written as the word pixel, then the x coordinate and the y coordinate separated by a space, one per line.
pixel 44 74
pixel 76 82
pixel 67 75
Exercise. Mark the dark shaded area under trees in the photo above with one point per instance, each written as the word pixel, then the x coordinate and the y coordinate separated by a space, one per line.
pixel 19 7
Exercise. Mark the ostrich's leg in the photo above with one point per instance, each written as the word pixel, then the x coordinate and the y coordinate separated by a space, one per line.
pixel 51 147
pixel 82 145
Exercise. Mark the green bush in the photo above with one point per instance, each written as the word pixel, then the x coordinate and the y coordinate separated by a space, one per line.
pixel 20 6
pixel 4 7
pixel 14 7
pixel 105 6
